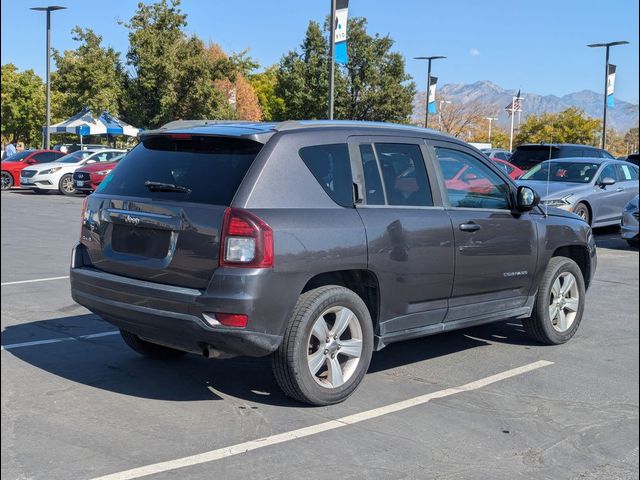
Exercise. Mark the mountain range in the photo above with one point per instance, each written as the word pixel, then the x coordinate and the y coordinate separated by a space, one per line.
pixel 621 118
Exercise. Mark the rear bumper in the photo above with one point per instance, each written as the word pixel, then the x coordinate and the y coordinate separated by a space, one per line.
pixel 174 316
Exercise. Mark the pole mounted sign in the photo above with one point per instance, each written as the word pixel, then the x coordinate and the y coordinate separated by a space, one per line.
pixel 431 101
pixel 340 31
pixel 611 81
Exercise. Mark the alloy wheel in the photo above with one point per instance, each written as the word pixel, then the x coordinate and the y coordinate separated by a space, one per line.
pixel 564 302
pixel 334 347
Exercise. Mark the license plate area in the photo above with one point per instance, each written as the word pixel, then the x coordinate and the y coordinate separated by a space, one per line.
pixel 143 242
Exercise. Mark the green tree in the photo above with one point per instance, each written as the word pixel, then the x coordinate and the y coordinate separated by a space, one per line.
pixel 90 76
pixel 264 84
pixel 303 81
pixel 172 73
pixel 22 105
pixel 569 126
pixel 374 85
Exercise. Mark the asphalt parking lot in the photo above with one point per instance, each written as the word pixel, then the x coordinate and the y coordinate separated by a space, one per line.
pixel 481 403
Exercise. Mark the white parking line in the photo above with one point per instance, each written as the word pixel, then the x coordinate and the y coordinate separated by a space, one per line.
pixel 57 340
pixel 245 447
pixel 33 281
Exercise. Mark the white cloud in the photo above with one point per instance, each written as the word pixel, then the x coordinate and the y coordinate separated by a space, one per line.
pixel 474 52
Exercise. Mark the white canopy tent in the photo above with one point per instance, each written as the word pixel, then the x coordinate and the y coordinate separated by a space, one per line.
pixel 85 123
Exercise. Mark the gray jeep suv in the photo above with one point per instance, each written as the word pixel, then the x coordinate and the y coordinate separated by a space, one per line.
pixel 318 243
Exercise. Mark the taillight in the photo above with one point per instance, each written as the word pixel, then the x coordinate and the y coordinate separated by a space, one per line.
pixel 84 209
pixel 246 240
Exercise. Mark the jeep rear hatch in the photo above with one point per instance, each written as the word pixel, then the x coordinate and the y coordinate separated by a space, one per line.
pixel 158 216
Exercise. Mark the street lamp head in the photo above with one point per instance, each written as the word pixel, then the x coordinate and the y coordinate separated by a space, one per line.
pixel 429 58
pixel 610 44
pixel 51 8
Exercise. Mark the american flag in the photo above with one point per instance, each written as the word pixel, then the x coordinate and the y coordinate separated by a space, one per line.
pixel 515 105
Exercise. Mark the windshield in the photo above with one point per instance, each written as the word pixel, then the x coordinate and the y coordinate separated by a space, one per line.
pixel 562 172
pixel 74 157
pixel 18 157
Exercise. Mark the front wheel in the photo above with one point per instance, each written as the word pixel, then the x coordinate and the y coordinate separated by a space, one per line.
pixel 66 186
pixel 7 181
pixel 327 346
pixel 559 304
pixel 583 211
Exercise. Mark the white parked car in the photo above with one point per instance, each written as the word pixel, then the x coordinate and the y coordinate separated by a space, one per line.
pixel 58 175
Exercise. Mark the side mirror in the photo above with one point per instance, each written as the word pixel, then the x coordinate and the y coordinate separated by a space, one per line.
pixel 607 181
pixel 30 161
pixel 527 199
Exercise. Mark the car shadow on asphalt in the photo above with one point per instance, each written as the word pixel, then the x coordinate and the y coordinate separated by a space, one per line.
pixel 106 363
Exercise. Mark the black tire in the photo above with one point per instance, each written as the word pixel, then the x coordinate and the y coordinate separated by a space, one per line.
pixel 7 180
pixel 583 211
pixel 148 349
pixel 540 326
pixel 633 243
pixel 290 361
pixel 63 185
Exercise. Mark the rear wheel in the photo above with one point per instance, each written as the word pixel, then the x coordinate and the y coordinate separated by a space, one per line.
pixel 583 211
pixel 148 349
pixel 326 348
pixel 559 304
pixel 7 180
pixel 65 185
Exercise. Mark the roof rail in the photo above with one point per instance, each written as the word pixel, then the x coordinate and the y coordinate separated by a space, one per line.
pixel 198 123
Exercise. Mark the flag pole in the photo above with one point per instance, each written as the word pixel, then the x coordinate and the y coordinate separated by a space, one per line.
pixel 513 99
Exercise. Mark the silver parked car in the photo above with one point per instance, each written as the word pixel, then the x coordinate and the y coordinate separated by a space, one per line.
pixel 630 222
pixel 597 189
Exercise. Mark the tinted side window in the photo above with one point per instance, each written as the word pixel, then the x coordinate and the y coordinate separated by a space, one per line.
pixel 569 152
pixel 330 165
pixel 373 184
pixel 470 183
pixel 608 171
pixel 404 174
pixel 626 173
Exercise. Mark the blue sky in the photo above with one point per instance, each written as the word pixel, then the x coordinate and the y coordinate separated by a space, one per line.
pixel 538 46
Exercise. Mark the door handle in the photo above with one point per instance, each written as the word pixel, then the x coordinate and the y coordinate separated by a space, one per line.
pixel 469 227
pixel 620 189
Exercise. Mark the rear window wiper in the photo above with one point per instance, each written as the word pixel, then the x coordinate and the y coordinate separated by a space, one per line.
pixel 165 187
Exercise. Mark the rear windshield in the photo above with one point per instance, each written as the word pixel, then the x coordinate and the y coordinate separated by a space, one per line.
pixel 206 169
pixel 527 157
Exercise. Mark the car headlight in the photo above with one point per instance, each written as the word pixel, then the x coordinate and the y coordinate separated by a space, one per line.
pixel 50 170
pixel 558 202
pixel 630 207
pixel 103 172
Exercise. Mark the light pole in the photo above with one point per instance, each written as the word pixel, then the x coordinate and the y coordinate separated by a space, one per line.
pixel 428 59
pixel 607 46
pixel 446 102
pixel 491 119
pixel 48 9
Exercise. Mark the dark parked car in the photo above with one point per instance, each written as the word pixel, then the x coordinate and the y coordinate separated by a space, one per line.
pixel 528 156
pixel 318 243
pixel 634 158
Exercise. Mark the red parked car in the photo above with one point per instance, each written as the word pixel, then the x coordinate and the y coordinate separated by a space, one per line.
pixel 86 179
pixel 12 166
pixel 511 170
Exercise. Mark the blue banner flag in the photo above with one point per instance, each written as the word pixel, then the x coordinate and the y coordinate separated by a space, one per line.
pixel 340 36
